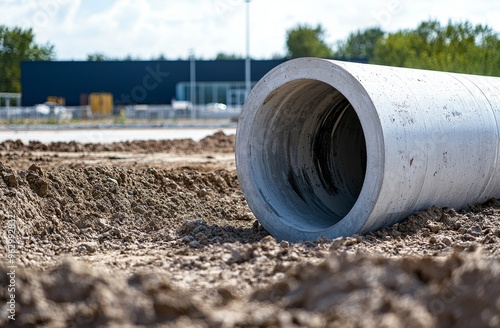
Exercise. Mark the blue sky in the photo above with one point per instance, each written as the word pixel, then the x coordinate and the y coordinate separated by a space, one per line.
pixel 146 28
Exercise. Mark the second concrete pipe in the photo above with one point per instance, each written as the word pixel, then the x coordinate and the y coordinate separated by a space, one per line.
pixel 329 148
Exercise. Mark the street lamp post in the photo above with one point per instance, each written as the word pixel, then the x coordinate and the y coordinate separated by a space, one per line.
pixel 248 83
pixel 192 83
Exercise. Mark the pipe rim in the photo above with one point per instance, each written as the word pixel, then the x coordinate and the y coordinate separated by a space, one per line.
pixel 334 74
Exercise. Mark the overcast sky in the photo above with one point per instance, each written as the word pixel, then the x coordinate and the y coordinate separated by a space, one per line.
pixel 147 28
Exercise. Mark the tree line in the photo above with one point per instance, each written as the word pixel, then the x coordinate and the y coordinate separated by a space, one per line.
pixel 455 47
pixel 16 45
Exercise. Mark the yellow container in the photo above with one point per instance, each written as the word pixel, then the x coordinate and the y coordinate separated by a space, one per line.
pixel 57 100
pixel 101 103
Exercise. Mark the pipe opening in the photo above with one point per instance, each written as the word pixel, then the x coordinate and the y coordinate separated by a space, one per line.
pixel 309 161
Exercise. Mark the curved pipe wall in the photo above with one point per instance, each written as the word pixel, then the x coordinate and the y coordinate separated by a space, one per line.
pixel 328 148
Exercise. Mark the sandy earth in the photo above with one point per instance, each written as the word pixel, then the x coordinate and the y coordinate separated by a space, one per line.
pixel 158 233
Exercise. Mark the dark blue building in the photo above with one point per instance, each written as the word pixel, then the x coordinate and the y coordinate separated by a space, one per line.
pixel 139 82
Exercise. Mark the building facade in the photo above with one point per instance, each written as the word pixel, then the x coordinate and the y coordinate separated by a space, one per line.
pixel 140 82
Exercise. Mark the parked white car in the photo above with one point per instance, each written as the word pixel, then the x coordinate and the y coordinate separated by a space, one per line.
pixel 50 108
pixel 215 107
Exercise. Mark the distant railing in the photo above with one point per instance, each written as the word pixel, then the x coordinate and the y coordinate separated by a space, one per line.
pixel 8 99
pixel 59 113
pixel 132 112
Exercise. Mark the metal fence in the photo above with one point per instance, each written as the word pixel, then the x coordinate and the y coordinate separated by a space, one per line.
pixel 41 113
pixel 165 112
pixel 135 112
pixel 8 99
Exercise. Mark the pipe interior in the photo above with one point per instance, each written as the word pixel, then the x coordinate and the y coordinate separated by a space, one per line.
pixel 311 160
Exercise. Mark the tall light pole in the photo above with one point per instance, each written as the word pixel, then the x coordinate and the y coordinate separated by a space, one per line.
pixel 248 83
pixel 192 82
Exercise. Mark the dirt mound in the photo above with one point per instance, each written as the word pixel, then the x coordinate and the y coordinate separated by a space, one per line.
pixel 130 239
pixel 369 291
pixel 436 231
pixel 107 204
pixel 343 291
pixel 218 142
pixel 73 294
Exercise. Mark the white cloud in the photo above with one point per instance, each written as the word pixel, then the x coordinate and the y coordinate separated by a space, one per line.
pixel 146 28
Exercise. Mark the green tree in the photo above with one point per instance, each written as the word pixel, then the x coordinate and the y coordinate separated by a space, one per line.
pixel 359 44
pixel 18 45
pixel 307 41
pixel 459 47
pixel 226 56
pixel 97 56
pixel 160 57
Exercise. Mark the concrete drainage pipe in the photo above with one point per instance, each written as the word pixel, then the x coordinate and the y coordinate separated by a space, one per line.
pixel 328 148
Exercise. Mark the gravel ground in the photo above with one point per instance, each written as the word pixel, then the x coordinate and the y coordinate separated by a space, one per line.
pixel 158 233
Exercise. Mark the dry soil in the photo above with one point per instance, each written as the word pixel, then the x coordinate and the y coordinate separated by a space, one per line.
pixel 158 233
